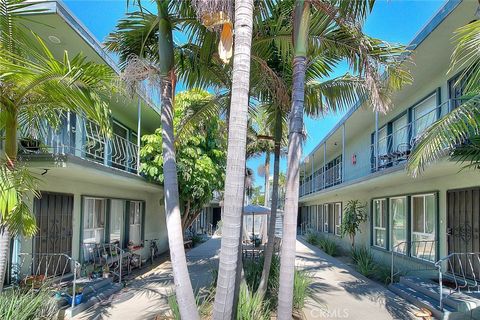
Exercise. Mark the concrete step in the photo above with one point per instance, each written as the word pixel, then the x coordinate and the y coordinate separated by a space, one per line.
pixel 94 285
pixel 421 300
pixel 460 301
pixel 93 298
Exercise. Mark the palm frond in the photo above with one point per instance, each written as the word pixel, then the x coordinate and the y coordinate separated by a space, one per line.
pixel 446 134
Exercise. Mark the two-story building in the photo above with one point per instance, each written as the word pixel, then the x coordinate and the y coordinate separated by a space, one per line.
pixel 363 157
pixel 91 191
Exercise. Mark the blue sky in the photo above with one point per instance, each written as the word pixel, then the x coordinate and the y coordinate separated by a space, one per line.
pixel 395 21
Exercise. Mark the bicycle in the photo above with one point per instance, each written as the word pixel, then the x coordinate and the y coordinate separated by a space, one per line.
pixel 153 249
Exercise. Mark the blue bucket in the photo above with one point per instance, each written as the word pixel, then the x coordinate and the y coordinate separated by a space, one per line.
pixel 78 299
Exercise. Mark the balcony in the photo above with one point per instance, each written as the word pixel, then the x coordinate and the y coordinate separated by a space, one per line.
pixel 395 147
pixel 322 179
pixel 391 146
pixel 81 138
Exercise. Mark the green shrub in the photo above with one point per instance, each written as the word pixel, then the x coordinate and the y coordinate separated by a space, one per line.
pixel 301 289
pixel 251 306
pixel 365 261
pixel 25 305
pixel 174 308
pixel 197 239
pixel 312 238
pixel 328 246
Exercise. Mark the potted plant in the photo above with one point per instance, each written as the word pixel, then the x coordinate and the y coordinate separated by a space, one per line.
pixel 353 216
pixel 78 295
pixel 106 271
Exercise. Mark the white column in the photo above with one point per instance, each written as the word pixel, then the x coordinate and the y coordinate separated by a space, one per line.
pixel 139 131
pixel 313 183
pixel 324 164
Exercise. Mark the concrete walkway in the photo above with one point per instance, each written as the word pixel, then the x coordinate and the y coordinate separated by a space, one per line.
pixel 339 291
pixel 342 293
pixel 145 296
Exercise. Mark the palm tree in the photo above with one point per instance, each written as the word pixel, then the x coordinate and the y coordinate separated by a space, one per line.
pixel 329 32
pixel 235 174
pixel 36 88
pixel 456 134
pixel 136 36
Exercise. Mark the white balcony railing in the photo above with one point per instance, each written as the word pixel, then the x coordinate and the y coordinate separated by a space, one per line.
pixel 390 150
pixel 84 139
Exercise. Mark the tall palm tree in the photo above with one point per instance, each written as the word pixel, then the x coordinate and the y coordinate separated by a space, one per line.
pixel 235 174
pixel 150 37
pixel 457 134
pixel 36 88
pixel 338 35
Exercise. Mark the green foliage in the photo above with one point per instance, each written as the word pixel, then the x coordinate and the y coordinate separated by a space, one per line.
pixel 16 186
pixel 26 305
pixel 328 246
pixel 301 289
pixel 251 306
pixel 257 196
pixel 364 260
pixel 197 239
pixel 353 216
pixel 457 133
pixel 201 158
pixel 174 308
pixel 313 237
pixel 253 273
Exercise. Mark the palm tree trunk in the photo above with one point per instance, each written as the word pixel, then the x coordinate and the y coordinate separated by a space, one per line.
pixel 262 288
pixel 11 150
pixel 296 136
pixel 4 254
pixel 235 175
pixel 267 180
pixel 183 285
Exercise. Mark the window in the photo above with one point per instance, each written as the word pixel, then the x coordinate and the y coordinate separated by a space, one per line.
pixel 319 217
pixel 135 224
pixel 325 218
pixel 313 217
pixel 423 226
pixel 379 223
pixel 117 212
pixel 398 224
pixel 424 114
pixel 382 141
pixel 400 134
pixel 94 220
pixel 338 218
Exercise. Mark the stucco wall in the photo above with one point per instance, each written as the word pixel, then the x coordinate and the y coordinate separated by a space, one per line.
pixel 395 185
pixel 155 227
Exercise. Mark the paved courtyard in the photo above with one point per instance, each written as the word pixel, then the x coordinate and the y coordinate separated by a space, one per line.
pixel 339 291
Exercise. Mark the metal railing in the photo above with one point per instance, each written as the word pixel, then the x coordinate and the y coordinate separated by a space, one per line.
pixel 51 268
pixel 395 148
pixel 106 254
pixel 326 179
pixel 417 255
pixel 463 269
pixel 84 139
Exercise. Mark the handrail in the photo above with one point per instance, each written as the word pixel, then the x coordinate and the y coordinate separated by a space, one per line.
pixel 457 258
pixel 83 139
pixel 45 260
pixel 420 250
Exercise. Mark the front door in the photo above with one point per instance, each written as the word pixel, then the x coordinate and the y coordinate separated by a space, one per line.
pixel 53 212
pixel 463 229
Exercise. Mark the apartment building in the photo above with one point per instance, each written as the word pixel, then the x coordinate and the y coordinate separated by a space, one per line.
pixel 92 193
pixel 421 220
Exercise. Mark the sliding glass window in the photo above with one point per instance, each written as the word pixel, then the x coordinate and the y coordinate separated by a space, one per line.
pixel 380 223
pixel 423 226
pixel 398 224
pixel 94 220
pixel 135 225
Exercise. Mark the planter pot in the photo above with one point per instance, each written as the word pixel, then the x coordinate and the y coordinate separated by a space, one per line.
pixel 78 299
